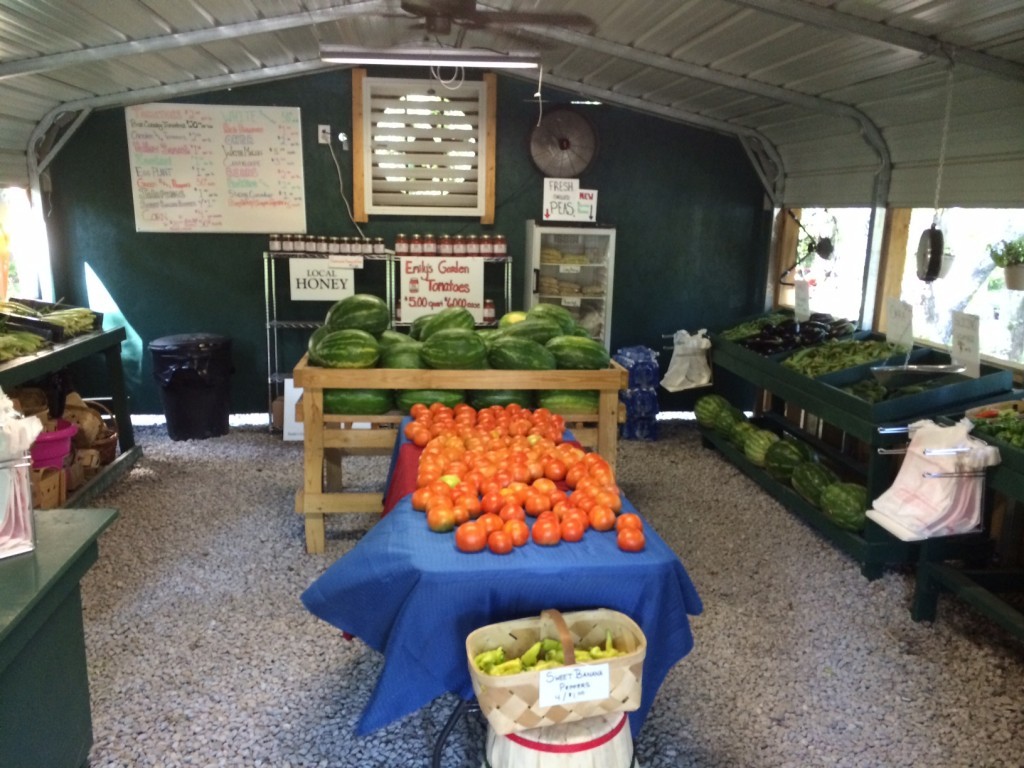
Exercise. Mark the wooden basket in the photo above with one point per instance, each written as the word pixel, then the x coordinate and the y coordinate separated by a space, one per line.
pixel 512 702
pixel 106 440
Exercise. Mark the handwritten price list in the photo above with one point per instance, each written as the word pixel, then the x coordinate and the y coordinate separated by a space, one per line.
pixel 199 168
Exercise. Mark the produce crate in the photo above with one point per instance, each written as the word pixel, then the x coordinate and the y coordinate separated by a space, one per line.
pixel 324 432
pixel 948 391
pixel 511 703
pixel 44 306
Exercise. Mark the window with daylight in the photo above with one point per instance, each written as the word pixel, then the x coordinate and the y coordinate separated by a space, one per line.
pixel 973 284
pixel 424 147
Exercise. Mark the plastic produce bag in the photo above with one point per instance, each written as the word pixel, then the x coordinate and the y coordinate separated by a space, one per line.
pixel 689 367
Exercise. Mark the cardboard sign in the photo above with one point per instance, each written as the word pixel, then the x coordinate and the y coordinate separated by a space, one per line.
pixel 428 284
pixel 316 280
pixel 899 323
pixel 965 349
pixel 564 685
pixel 565 201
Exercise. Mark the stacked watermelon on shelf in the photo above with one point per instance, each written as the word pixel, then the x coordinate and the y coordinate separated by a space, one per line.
pixel 356 334
pixel 789 461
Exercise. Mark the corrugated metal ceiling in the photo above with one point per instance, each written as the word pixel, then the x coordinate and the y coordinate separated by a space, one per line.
pixel 838 102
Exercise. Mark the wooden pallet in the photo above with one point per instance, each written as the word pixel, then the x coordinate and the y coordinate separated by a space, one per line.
pixel 327 438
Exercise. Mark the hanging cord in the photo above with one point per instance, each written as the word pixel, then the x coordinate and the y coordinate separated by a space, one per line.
pixel 942 144
pixel 537 95
pixel 458 77
pixel 341 187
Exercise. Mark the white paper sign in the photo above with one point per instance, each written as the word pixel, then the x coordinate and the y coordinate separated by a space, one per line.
pixel 428 284
pixel 802 304
pixel 965 349
pixel 345 261
pixel 899 323
pixel 316 280
pixel 565 201
pixel 564 685
pixel 293 430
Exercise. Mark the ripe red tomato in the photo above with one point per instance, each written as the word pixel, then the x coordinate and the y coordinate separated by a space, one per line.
pixel 512 511
pixel 629 520
pixel 441 519
pixel 546 533
pixel 572 528
pixel 536 503
pixel 470 537
pixel 601 518
pixel 631 540
pixel 518 530
pixel 499 542
pixel 490 522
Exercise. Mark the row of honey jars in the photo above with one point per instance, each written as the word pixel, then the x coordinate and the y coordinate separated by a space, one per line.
pixel 483 245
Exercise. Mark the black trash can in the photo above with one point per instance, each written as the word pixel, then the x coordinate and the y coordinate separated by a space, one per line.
pixel 194 373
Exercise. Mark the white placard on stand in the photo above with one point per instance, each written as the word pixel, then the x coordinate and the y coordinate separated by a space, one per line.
pixel 317 280
pixel 899 323
pixel 428 284
pixel 802 301
pixel 293 430
pixel 965 349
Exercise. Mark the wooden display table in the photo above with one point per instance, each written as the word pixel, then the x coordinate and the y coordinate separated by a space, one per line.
pixel 44 684
pixel 322 490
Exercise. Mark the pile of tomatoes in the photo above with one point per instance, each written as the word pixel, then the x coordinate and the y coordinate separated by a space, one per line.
pixel 484 473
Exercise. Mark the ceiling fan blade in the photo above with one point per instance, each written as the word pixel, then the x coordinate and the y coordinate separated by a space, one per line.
pixel 528 17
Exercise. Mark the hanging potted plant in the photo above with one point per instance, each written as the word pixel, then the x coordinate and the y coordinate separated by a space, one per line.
pixel 1009 254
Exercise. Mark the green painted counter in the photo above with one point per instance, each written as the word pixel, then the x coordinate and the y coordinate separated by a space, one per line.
pixel 45 718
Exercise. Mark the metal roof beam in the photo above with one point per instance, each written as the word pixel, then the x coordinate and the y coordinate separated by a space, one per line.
pixel 870 132
pixel 826 18
pixel 774 186
pixel 38 64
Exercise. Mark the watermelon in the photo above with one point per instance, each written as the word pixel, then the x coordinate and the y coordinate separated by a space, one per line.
pixel 488 335
pixel 555 312
pixel 803 448
pixel 416 327
pixel 845 505
pixel 362 311
pixel 402 356
pixel 577 353
pixel 407 398
pixel 346 348
pixel 314 340
pixel 452 317
pixel 569 401
pixel 484 398
pixel 579 330
pixel 726 418
pixel 757 444
pixel 781 458
pixel 358 401
pixel 536 329
pixel 388 337
pixel 706 407
pixel 510 353
pixel 741 429
pixel 454 349
pixel 810 478
pixel 511 318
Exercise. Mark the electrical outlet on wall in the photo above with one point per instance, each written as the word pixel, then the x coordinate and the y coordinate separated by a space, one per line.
pixel 323 133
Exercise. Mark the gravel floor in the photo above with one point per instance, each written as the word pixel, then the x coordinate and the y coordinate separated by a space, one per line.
pixel 200 653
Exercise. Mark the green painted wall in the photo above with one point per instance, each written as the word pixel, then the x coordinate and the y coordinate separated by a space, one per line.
pixel 688 209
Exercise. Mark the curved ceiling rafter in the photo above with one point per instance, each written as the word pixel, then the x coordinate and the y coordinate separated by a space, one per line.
pixel 49 62
pixel 762 152
pixel 836 21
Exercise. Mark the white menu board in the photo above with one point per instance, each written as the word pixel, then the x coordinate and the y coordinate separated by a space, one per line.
pixel 203 168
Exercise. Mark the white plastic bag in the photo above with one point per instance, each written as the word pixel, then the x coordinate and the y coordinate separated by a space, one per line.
pixel 689 367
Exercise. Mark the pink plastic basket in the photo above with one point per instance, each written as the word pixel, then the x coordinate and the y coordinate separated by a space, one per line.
pixel 51 448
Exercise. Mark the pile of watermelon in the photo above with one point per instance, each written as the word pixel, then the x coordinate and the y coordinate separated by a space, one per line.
pixel 788 460
pixel 357 333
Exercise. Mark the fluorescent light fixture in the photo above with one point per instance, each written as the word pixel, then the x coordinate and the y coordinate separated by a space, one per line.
pixel 428 57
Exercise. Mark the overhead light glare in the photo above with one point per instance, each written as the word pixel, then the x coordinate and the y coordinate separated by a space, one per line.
pixel 428 57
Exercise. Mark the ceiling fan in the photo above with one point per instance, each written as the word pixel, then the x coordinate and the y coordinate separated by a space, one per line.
pixel 438 16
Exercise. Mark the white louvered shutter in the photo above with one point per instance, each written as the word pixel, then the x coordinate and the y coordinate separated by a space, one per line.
pixel 424 147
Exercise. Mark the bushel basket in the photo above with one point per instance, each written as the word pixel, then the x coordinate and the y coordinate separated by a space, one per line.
pixel 512 702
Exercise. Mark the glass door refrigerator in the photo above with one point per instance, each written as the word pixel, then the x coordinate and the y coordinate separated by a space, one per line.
pixel 574 267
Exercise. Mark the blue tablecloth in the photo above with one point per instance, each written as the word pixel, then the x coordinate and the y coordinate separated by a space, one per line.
pixel 408 593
